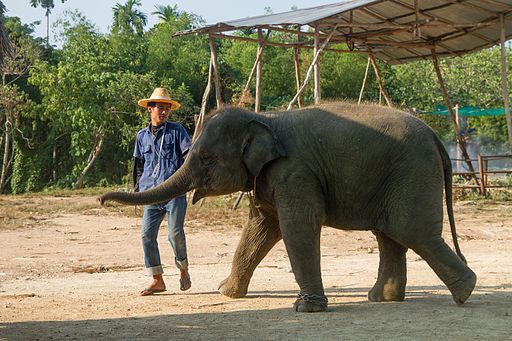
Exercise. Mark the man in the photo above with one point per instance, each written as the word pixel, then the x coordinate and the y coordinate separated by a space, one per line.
pixel 159 151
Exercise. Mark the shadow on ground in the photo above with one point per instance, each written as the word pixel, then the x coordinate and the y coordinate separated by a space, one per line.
pixel 424 315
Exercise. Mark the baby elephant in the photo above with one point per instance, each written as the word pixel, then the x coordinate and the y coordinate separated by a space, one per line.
pixel 351 167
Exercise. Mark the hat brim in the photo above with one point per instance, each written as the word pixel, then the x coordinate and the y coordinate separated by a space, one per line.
pixel 144 102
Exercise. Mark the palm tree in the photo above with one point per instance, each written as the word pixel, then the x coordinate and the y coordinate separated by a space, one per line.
pixel 5 44
pixel 48 5
pixel 166 13
pixel 128 19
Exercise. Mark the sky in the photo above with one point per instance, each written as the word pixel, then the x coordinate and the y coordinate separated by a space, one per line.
pixel 100 11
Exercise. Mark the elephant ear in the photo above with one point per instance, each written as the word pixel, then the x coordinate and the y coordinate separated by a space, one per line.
pixel 261 146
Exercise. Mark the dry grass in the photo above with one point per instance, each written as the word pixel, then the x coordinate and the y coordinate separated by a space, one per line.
pixel 31 210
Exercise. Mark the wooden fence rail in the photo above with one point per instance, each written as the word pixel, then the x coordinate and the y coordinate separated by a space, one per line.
pixel 485 173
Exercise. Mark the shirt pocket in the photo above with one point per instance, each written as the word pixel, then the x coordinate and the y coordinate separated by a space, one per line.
pixel 168 152
pixel 145 150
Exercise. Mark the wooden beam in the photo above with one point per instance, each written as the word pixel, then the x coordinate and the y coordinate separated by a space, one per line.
pixel 296 63
pixel 200 119
pixel 316 67
pixel 301 45
pixel 255 65
pixel 504 80
pixel 460 139
pixel 218 92
pixel 308 74
pixel 257 103
pixel 364 81
pixel 380 81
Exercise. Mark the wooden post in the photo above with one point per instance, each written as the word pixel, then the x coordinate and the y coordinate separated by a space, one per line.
pixel 257 103
pixel 482 175
pixel 255 65
pixel 200 118
pixel 459 156
pixel 218 89
pixel 460 140
pixel 364 81
pixel 379 79
pixel 318 90
pixel 310 69
pixel 504 80
pixel 296 63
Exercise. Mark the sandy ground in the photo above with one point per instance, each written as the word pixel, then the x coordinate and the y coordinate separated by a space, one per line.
pixel 73 270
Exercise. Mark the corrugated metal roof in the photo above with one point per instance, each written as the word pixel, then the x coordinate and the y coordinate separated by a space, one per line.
pixel 394 30
pixel 300 16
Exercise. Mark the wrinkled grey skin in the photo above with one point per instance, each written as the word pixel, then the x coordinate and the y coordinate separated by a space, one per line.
pixel 340 165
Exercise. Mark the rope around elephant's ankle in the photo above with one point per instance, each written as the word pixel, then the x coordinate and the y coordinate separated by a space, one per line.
pixel 320 300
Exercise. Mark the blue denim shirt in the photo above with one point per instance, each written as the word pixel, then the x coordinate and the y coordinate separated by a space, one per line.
pixel 161 157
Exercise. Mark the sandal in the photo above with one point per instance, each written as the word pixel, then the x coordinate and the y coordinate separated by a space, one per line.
pixel 150 291
pixel 185 284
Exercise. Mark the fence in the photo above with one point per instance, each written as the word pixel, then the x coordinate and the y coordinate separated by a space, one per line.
pixel 488 173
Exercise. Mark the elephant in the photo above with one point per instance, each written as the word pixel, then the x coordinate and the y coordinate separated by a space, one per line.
pixel 337 164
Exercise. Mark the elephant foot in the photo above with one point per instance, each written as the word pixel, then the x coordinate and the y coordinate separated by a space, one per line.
pixel 310 303
pixel 232 288
pixel 462 289
pixel 386 292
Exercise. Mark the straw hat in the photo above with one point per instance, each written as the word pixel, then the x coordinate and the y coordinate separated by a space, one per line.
pixel 159 95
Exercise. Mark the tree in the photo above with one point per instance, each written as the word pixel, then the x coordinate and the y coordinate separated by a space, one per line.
pixel 128 19
pixel 90 95
pixel 181 60
pixel 166 13
pixel 48 5
pixel 13 100
pixel 5 44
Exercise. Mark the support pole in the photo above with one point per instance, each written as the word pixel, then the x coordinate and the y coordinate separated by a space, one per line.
pixel 213 50
pixel 251 74
pixel 460 139
pixel 318 90
pixel 199 120
pixel 259 67
pixel 364 81
pixel 308 74
pixel 379 79
pixel 483 190
pixel 459 156
pixel 296 63
pixel 504 80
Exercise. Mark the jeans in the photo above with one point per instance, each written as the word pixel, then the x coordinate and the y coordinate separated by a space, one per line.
pixel 153 217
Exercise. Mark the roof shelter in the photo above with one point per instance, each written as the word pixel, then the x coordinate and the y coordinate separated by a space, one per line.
pixel 394 31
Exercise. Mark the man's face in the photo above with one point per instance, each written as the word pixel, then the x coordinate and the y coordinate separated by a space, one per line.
pixel 159 113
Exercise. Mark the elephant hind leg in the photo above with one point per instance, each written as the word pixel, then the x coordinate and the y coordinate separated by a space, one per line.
pixel 447 265
pixel 392 276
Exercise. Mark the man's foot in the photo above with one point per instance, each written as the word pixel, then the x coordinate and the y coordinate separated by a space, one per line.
pixel 150 291
pixel 158 285
pixel 185 282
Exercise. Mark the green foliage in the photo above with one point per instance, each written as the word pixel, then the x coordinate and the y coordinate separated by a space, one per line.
pixel 184 60
pixel 342 76
pixel 128 19
pixel 472 80
pixel 89 87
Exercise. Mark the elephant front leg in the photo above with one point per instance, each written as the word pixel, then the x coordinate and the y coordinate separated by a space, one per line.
pixel 302 240
pixel 258 238
pixel 392 277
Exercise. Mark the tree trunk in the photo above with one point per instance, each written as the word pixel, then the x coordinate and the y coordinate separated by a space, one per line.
pixel 6 162
pixel 92 157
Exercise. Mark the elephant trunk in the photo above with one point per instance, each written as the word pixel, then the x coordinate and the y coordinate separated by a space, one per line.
pixel 178 184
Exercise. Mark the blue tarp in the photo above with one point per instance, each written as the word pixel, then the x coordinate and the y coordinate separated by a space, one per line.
pixel 468 111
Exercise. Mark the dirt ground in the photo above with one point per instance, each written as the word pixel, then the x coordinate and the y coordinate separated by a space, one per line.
pixel 71 270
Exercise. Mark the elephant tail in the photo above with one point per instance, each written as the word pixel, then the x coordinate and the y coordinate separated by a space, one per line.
pixel 447 169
